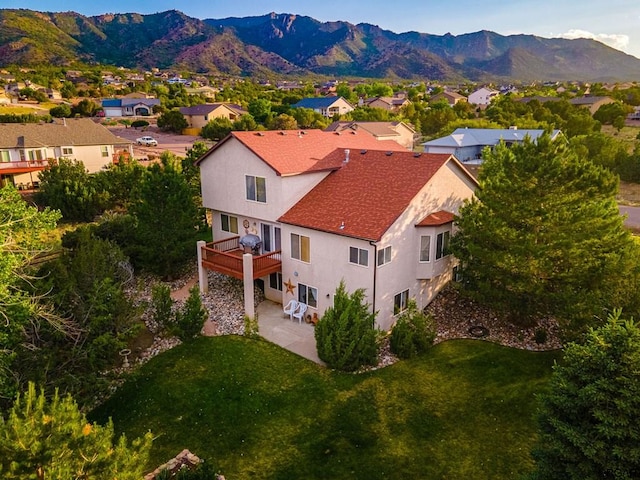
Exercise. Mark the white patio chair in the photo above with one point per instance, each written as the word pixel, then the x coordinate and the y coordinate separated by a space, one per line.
pixel 299 313
pixel 290 308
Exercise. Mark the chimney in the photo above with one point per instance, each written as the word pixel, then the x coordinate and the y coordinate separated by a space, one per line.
pixel 346 155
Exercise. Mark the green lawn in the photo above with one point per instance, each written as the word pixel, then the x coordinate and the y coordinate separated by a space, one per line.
pixel 253 410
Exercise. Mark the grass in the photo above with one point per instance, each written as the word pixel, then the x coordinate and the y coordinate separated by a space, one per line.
pixel 254 410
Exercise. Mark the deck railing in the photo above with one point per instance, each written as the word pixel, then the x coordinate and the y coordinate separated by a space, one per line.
pixel 225 256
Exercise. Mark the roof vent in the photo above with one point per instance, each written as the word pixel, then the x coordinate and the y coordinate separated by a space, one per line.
pixel 346 155
pixel 342 225
pixel 260 134
pixel 417 154
pixel 389 154
pixel 336 133
pixel 362 152
pixel 282 133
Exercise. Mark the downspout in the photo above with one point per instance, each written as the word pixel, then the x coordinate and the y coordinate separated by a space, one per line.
pixel 375 269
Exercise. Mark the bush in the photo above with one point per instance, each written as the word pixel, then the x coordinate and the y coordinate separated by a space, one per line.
pixel 540 336
pixel 162 307
pixel 413 333
pixel 345 335
pixel 190 320
pixel 139 124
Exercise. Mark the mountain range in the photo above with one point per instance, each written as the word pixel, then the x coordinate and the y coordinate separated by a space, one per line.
pixel 286 44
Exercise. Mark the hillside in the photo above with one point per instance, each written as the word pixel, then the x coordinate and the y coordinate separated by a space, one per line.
pixel 277 44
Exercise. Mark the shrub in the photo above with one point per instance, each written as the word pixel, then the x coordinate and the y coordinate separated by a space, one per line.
pixel 190 320
pixel 540 336
pixel 162 307
pixel 139 124
pixel 413 333
pixel 345 335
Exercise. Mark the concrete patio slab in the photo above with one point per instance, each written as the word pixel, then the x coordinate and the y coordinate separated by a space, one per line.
pixel 276 327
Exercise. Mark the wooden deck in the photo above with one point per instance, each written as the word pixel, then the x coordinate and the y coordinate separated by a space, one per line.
pixel 225 256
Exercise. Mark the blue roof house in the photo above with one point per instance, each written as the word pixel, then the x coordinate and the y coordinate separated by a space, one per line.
pixel 466 144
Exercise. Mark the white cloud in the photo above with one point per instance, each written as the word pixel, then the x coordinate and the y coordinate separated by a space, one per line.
pixel 617 41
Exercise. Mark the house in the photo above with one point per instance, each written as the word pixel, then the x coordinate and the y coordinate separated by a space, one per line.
pixel 450 97
pixel 321 207
pixel 199 115
pixel 591 103
pixel 326 106
pixel 393 104
pixel 128 107
pixel 399 132
pixel 467 144
pixel 27 148
pixel 483 96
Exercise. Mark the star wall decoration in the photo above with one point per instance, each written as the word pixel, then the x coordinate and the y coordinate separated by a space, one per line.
pixel 290 286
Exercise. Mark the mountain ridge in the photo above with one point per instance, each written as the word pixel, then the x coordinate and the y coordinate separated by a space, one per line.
pixel 290 44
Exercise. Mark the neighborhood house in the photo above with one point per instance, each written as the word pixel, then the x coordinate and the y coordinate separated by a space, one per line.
pixel 301 211
pixel 27 148
pixel 467 144
pixel 326 106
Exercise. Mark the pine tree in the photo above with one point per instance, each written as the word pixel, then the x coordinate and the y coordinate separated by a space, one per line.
pixel 345 335
pixel 544 236
pixel 589 421
pixel 54 441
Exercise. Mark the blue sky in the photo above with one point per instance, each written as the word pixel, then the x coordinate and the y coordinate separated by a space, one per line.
pixel 614 22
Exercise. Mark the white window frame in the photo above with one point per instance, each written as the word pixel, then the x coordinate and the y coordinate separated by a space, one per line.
pixel 400 302
pixel 229 223
pixel 442 244
pixel 254 192
pixel 66 151
pixel 361 256
pixel 425 250
pixel 304 297
pixel 297 247
pixel 104 150
pixel 384 256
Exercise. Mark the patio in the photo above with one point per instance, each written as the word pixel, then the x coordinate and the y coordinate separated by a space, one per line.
pixel 276 327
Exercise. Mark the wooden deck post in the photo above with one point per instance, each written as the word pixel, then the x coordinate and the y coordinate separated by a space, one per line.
pixel 203 281
pixel 247 273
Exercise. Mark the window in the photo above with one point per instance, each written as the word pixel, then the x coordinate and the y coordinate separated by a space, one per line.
pixel 300 248
pixel 229 223
pixel 35 155
pixel 442 245
pixel 67 151
pixel 308 295
pixel 104 150
pixel 425 246
pixel 5 156
pixel 359 256
pixel 400 302
pixel 275 281
pixel 384 255
pixel 23 156
pixel 256 189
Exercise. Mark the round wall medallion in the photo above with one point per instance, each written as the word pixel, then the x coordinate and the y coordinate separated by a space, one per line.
pixel 246 224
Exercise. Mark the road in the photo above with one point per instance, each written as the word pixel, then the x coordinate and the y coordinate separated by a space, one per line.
pixel 633 216
pixel 177 144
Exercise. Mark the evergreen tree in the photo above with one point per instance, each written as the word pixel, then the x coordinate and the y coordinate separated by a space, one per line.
pixel 544 236
pixel 167 220
pixel 172 121
pixel 346 334
pixel 589 416
pixel 54 441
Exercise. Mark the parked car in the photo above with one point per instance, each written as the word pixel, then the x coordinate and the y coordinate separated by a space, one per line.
pixel 147 141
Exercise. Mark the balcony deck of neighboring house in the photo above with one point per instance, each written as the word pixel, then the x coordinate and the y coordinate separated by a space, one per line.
pixel 225 256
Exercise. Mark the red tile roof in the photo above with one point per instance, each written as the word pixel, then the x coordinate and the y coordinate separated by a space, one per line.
pixel 364 197
pixel 291 152
pixel 435 219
